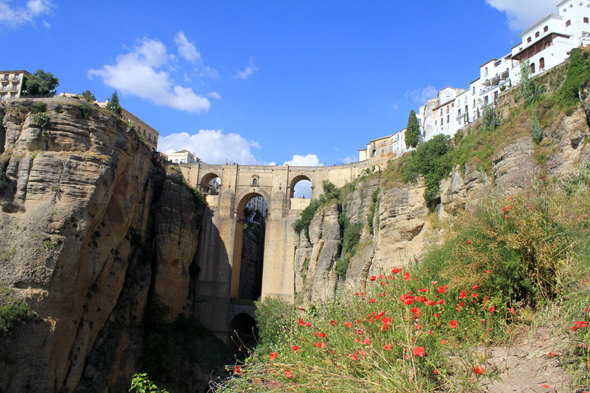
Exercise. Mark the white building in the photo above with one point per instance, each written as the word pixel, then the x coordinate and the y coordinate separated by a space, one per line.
pixel 258 204
pixel 183 156
pixel 440 115
pixel 398 142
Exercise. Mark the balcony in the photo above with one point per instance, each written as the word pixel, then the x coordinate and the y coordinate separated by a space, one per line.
pixel 15 79
pixel 493 86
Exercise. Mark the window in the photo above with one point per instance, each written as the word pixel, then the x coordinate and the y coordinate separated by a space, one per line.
pixel 485 100
pixel 452 105
pixel 6 77
pixel 3 97
pixel 473 92
pixel 495 95
pixel 586 20
pixel 568 23
pixel 541 63
pixel 529 40
pixel 545 29
pixel 459 112
pixel 473 103
pixel 15 87
pixel 17 77
pixel 447 109
pixel 441 111
pixel 4 87
pixel 486 72
pixel 496 64
pixel 448 119
pixel 537 34
pixel 12 96
pixel 150 136
pixel 254 182
pixel 533 68
pixel 466 109
pixel 442 121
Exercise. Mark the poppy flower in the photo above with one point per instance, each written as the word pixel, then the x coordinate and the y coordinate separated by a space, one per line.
pixel 308 324
pixel 422 290
pixel 380 277
pixel 387 347
pixel 372 301
pixel 348 324
pixel 396 270
pixel 273 355
pixel 407 276
pixel 581 324
pixel 295 348
pixel 489 271
pixel 354 357
pixel 429 302
pixel 319 345
pixel 474 295
pixel 301 323
pixel 442 341
pixel 238 370
pixel 436 314
pixel 492 309
pixel 288 373
pixel 322 335
pixel 416 312
pixel 479 370
pixel 363 353
pixel 419 351
pixel 475 287
pixel 367 341
pixel 441 290
pixel 574 328
pixel 545 386
pixel 468 241
pixel 435 372
pixel 373 278
pixel 511 310
pixel 440 302
pixel 332 323
pixel 407 299
pixel 420 299
pixel 463 294
pixel 453 324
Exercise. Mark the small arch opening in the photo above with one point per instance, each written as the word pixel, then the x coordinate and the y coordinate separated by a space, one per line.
pixel 210 184
pixel 301 187
pixel 244 334
pixel 541 64
pixel 533 68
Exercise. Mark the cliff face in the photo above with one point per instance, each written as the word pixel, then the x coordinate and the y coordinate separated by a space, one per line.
pixel 90 229
pixel 401 218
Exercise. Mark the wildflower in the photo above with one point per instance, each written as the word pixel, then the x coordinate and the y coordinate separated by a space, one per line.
pixel 354 357
pixel 441 290
pixel 363 353
pixel 430 332
pixel 442 341
pixel 429 303
pixel 453 324
pixel 332 323
pixel 407 299
pixel 511 310
pixel 418 326
pixel 308 324
pixel 322 335
pixel 288 373
pixel 372 301
pixel 301 323
pixel 440 302
pixel 273 355
pixel 475 287
pixel 396 270
pixel 489 271
pixel 238 370
pixel 348 324
pixel 468 241
pixel 387 347
pixel 581 324
pixel 295 348
pixel 422 290
pixel 420 299
pixel 474 295
pixel 419 351
pixel 545 386
pixel 319 345
pixel 367 341
pixel 380 277
pixel 574 328
pixel 479 370
pixel 407 276
pixel 435 372
pixel 483 320
pixel 434 282
pixel 373 278
pixel 463 294
pixel 437 315
pixel 416 312
pixel 492 309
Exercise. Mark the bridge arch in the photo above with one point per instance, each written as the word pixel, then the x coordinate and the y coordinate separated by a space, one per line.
pixel 295 181
pixel 243 332
pixel 206 179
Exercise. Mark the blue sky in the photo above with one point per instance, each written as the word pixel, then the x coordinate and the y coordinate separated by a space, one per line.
pixel 250 81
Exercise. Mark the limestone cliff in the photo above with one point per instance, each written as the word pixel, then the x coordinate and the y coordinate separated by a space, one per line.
pixel 91 228
pixel 402 220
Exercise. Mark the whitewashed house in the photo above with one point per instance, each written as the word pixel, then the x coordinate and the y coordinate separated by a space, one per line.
pixel 183 156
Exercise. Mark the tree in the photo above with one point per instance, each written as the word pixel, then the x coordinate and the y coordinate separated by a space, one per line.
pixel 41 83
pixel 412 130
pixel 88 96
pixel 113 104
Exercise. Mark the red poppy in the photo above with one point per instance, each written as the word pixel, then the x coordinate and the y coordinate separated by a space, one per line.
pixel 348 324
pixel 407 276
pixel 489 271
pixel 407 299
pixel 372 301
pixel 419 351
pixel 468 241
pixel 479 370
pixel 475 287
pixel 367 341
pixel 463 294
pixel 301 323
pixel 474 295
pixel 422 290
pixel 380 277
pixel 574 328
pixel 511 310
pixel 288 373
pixel 322 335
pixel 440 302
pixel 273 355
pixel 453 324
pixel 429 302
pixel 420 299
pixel 436 314
pixel 373 278
pixel 396 270
pixel 441 290
pixel 308 324
pixel 416 312
pixel 238 370
pixel 492 309
pixel 418 326
pixel 332 323
pixel 295 348
pixel 581 324
pixel 545 386
pixel 435 372
pixel 387 347
pixel 319 345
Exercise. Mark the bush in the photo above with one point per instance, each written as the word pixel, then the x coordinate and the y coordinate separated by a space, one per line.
pixel 371 216
pixel 11 315
pixel 41 119
pixel 4 181
pixel 37 107
pixel 578 76
pixel 86 111
pixel 273 315
pixel 140 383
pixel 302 224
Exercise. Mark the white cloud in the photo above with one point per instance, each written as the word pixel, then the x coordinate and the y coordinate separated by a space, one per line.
pixel 186 48
pixel 395 106
pixel 349 159
pixel 214 94
pixel 138 73
pixel 422 95
pixel 17 16
pixel 212 146
pixel 248 71
pixel 308 160
pixel 523 13
pixel 46 24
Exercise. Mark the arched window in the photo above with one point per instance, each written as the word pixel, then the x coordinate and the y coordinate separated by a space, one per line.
pixel 532 68
pixel 541 64
pixel 374 153
pixel 254 182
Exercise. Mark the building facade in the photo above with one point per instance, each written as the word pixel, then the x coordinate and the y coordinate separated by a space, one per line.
pixel 183 156
pixel 12 84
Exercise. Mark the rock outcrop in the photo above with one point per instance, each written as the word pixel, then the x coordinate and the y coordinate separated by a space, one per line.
pixel 91 228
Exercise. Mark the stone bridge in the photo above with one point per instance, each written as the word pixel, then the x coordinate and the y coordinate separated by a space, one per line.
pixel 220 242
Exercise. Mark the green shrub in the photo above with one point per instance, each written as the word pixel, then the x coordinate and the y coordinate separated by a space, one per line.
pixel 86 111
pixel 4 181
pixel 140 383
pixel 302 224
pixel 11 315
pixel 490 118
pixel 273 315
pixel 199 199
pixel 342 268
pixel 536 129
pixel 578 76
pixel 371 216
pixel 41 119
pixel 37 107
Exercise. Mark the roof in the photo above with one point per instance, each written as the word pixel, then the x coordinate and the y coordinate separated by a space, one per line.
pixel 362 149
pixel 182 151
pixel 562 3
pixel 550 36
pixel 474 81
pixel 383 137
pixel 488 62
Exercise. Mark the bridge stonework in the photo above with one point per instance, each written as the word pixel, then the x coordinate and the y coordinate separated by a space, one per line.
pixel 220 239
